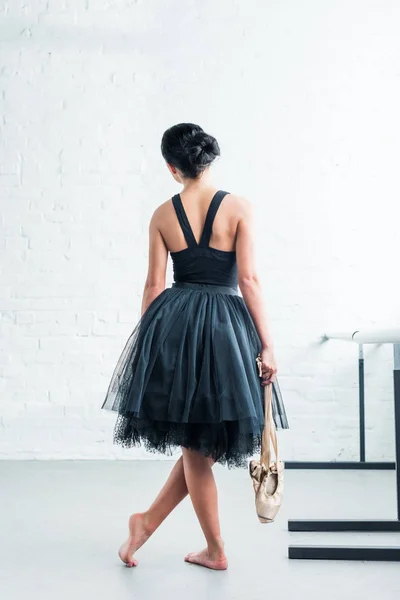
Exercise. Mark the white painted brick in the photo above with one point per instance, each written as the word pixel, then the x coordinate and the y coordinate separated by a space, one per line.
pixel 45 411
pixel 24 317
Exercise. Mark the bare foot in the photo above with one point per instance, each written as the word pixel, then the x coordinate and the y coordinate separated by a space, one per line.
pixel 139 533
pixel 212 560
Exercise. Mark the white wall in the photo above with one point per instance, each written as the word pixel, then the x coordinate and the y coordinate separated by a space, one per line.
pixel 303 98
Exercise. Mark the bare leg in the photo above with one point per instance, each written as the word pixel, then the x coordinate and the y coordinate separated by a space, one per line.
pixel 142 525
pixel 203 493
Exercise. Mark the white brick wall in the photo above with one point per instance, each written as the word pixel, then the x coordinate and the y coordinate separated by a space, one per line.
pixel 303 97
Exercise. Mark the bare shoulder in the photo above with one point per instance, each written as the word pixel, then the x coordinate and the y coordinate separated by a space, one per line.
pixel 162 212
pixel 241 205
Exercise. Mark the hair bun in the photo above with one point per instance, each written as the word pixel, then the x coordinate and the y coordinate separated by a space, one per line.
pixel 189 148
pixel 202 147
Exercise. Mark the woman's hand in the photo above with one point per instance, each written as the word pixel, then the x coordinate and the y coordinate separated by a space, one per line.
pixel 268 366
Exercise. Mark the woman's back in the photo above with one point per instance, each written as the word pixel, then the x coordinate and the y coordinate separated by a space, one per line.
pixel 200 234
pixel 196 206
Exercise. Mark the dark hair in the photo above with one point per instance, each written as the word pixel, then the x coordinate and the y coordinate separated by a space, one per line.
pixel 189 148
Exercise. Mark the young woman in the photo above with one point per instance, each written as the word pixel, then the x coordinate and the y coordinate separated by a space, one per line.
pixel 187 376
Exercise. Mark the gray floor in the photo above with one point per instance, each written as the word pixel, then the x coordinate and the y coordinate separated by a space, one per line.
pixel 62 521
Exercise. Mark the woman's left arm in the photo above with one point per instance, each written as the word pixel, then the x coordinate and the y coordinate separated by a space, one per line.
pixel 157 266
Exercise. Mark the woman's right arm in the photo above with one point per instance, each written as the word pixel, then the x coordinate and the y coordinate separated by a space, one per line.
pixel 250 286
pixel 157 263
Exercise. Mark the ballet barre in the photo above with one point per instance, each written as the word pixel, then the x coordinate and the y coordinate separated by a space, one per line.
pixel 382 336
pixel 373 553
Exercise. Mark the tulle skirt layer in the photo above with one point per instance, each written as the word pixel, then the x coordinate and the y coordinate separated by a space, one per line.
pixel 187 376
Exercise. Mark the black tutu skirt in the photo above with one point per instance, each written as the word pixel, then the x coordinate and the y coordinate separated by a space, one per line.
pixel 188 377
